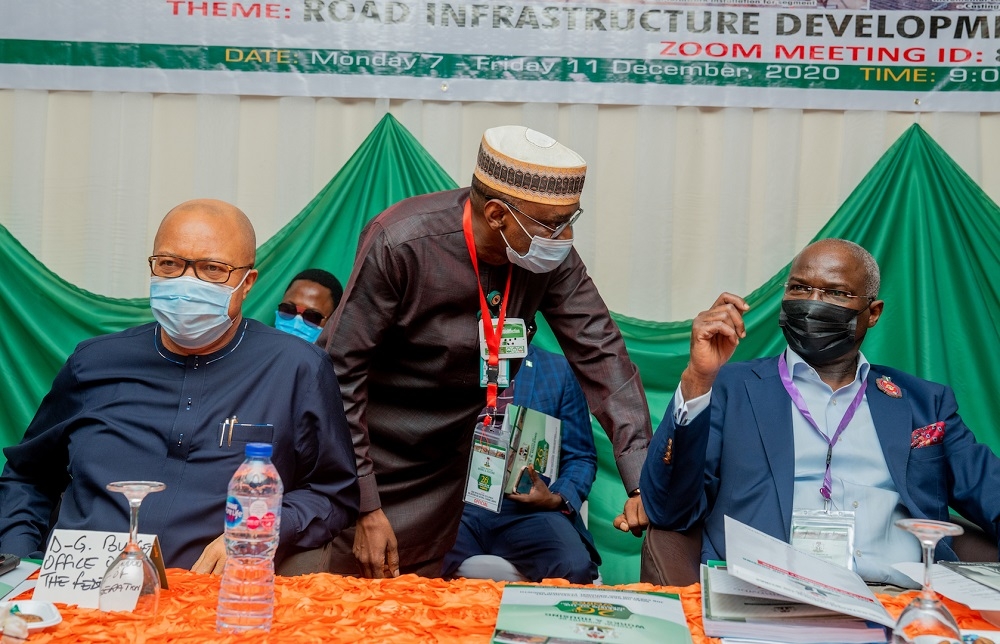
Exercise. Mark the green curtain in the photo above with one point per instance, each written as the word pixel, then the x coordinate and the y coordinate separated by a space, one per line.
pixel 932 229
pixel 390 165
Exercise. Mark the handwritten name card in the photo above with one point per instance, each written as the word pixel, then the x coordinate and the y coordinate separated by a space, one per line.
pixel 75 563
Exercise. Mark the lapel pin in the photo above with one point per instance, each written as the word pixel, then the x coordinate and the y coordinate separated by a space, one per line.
pixel 888 387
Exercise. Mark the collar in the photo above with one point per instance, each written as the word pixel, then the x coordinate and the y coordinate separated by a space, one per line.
pixel 802 370
pixel 209 358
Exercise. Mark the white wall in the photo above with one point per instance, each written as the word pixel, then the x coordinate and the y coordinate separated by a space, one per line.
pixel 680 203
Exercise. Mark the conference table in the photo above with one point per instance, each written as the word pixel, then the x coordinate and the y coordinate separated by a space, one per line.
pixel 331 608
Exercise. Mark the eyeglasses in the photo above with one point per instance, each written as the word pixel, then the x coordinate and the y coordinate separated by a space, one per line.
pixel 312 316
pixel 207 270
pixel 555 231
pixel 803 291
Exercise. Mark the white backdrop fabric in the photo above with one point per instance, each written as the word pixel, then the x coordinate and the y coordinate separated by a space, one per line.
pixel 681 203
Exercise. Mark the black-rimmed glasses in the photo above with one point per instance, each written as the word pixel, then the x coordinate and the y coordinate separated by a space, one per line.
pixel 555 231
pixel 835 295
pixel 312 316
pixel 207 270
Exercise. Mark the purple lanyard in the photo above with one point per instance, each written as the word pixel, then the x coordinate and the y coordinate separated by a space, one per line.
pixel 800 404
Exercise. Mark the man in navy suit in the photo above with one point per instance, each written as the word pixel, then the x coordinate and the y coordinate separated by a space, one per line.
pixel 541 533
pixel 774 441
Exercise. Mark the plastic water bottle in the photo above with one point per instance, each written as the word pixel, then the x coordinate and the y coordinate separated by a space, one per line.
pixel 253 519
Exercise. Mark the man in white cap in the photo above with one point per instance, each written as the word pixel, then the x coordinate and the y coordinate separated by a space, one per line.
pixel 407 343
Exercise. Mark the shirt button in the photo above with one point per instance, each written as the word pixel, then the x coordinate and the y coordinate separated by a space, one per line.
pixel 834 402
pixel 857 553
pixel 855 504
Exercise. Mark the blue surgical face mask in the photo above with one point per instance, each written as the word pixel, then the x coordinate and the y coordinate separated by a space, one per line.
pixel 544 254
pixel 296 326
pixel 193 313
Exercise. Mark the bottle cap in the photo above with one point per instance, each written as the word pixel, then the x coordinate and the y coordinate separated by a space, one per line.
pixel 258 450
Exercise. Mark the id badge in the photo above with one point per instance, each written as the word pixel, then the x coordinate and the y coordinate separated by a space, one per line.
pixel 827 535
pixel 503 380
pixel 488 466
pixel 513 340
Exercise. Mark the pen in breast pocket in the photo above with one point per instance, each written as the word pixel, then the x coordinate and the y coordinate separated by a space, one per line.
pixel 227 423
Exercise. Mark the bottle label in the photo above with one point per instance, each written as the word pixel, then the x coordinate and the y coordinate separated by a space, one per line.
pixel 267 521
pixel 234 512
pixel 253 513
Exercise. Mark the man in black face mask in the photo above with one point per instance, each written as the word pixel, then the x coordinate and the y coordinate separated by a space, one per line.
pixel 815 440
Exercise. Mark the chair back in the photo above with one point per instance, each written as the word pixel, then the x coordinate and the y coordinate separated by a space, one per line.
pixel 974 544
pixel 671 558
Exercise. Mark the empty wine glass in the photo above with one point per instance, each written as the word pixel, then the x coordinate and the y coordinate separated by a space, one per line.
pixel 131 583
pixel 926 618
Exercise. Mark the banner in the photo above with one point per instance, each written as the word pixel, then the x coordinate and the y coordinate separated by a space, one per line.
pixel 917 55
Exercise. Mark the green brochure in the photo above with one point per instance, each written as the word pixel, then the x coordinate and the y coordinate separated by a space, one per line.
pixel 556 615
pixel 534 440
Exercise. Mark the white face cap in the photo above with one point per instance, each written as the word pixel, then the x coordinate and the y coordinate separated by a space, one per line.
pixel 530 165
pixel 519 143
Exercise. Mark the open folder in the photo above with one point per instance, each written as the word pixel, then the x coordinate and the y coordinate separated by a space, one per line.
pixel 770 590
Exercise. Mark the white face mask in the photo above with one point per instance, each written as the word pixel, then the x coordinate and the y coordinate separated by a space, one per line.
pixel 544 254
pixel 193 313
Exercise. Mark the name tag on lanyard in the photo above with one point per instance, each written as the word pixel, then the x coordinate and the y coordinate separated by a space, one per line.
pixel 484 484
pixel 825 534
pixel 513 340
pixel 513 345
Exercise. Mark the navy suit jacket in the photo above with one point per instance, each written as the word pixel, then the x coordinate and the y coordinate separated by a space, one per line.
pixel 549 386
pixel 737 458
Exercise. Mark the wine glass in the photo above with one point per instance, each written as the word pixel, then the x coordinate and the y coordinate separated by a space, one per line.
pixel 131 583
pixel 926 618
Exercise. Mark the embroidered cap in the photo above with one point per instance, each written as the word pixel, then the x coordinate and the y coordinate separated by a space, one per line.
pixel 530 165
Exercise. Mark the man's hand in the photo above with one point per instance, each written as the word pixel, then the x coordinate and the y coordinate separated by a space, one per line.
pixel 212 559
pixel 715 335
pixel 375 546
pixel 633 518
pixel 539 496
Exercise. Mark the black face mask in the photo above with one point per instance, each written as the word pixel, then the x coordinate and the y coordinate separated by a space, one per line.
pixel 818 331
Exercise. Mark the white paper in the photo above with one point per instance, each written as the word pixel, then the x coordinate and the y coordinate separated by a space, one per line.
pixel 725 584
pixel 953 585
pixel 15 578
pixel 75 562
pixel 24 586
pixel 765 561
pixel 121 592
pixel 739 599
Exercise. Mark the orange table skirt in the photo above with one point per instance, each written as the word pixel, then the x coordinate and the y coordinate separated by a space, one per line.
pixel 330 608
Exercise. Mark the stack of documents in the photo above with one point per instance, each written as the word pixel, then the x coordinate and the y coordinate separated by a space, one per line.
pixel 732 607
pixel 772 592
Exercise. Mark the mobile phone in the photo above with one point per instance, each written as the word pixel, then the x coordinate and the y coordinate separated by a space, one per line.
pixel 524 482
pixel 8 563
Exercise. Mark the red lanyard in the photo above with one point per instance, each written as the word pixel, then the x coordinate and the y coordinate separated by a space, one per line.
pixel 491 333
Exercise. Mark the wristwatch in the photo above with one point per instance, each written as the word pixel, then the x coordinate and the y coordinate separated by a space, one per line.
pixel 634 492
